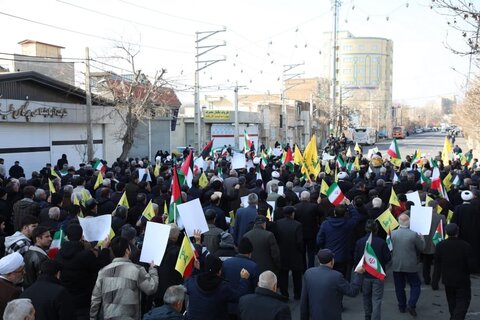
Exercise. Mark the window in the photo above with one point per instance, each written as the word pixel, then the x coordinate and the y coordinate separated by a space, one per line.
pixel 361 47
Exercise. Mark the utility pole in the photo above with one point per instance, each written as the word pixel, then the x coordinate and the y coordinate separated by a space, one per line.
pixel 88 102
pixel 200 51
pixel 237 128
pixel 333 109
pixel 285 77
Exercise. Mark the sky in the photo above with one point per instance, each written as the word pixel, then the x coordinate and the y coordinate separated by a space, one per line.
pixel 260 38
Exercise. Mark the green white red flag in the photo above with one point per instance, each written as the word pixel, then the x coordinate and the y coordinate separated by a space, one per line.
pixel 99 166
pixel 334 194
pixel 187 169
pixel 247 142
pixel 393 150
pixel 370 261
pixel 56 244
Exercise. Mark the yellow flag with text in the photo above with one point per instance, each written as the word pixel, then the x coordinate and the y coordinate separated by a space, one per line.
pixel 387 221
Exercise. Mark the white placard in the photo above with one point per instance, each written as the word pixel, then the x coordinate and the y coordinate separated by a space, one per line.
pixel 272 203
pixel 96 228
pixel 142 172
pixel 414 197
pixel 200 164
pixel 326 157
pixel 193 217
pixel 277 152
pixel 250 164
pixel 420 219
pixel 238 161
pixel 154 242
pixel 280 190
pixel 244 201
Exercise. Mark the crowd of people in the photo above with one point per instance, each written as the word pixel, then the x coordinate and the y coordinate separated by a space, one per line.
pixel 286 227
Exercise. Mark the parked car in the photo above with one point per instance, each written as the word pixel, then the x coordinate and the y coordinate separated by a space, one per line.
pixel 418 130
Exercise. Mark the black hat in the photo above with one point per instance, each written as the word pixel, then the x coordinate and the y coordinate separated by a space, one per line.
pixel 245 246
pixel 74 232
pixel 451 229
pixel 210 214
pixel 213 264
pixel 260 219
pixel 325 256
pixel 91 203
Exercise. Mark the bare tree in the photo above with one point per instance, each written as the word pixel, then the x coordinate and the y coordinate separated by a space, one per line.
pixel 136 97
pixel 465 114
pixel 463 17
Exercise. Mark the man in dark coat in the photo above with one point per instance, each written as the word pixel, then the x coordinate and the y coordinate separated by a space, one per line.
pixel 36 254
pixel 265 248
pixel 16 171
pixel 80 268
pixel 308 216
pixel 25 207
pixel 244 217
pixel 324 284
pixel 11 274
pixel 173 304
pixel 290 241
pixel 265 303
pixel 50 299
pixel 454 262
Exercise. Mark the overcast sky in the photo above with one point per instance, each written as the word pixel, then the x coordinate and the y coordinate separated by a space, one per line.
pixel 260 36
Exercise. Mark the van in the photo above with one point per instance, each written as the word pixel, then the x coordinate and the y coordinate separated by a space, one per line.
pixel 365 136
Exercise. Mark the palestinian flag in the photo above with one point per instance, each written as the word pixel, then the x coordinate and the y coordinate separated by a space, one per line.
pixel 438 235
pixel 334 194
pixel 207 150
pixel 287 159
pixel 57 242
pixel 247 142
pixel 370 261
pixel 393 150
pixel 389 239
pixel 175 199
pixel 187 169
pixel 99 166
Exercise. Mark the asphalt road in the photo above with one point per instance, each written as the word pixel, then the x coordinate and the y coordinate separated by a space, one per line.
pixel 432 305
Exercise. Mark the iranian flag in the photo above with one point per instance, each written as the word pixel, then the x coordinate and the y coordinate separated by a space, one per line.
pixel 334 194
pixel 340 163
pixel 247 142
pixel 389 239
pixel 99 166
pixel 393 150
pixel 370 261
pixel 438 235
pixel 187 169
pixel 424 179
pixel 436 181
pixel 56 244
pixel 175 199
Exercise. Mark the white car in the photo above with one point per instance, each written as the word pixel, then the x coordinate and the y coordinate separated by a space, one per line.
pixel 418 130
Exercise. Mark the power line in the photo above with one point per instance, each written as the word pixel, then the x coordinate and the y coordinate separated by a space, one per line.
pixel 126 20
pixel 91 35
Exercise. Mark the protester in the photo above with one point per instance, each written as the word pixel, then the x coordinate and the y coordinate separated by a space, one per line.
pixel 11 274
pixel 20 241
pixel 173 300
pixel 19 309
pixel 36 254
pixel 265 303
pixel 244 217
pixel 307 214
pixel 117 291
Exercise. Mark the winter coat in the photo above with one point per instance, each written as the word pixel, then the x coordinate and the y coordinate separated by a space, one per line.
pixel 211 238
pixel 406 245
pixel 264 304
pixel 429 246
pixel 380 248
pixel 8 292
pixel 50 299
pixel 117 292
pixel 167 274
pixel 290 242
pixel 22 208
pixel 243 221
pixel 33 258
pixel 335 234
pixel 209 295
pixel 308 215
pixel 80 268
pixel 17 242
pixel 164 312
pixel 265 249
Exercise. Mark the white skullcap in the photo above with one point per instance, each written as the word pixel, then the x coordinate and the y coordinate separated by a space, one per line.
pixel 467 195
pixel 342 175
pixel 158 158
pixel 11 263
pixel 275 174
pixel 256 160
pixel 140 163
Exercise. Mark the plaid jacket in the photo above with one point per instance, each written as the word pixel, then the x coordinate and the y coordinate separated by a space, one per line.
pixel 117 292
pixel 17 242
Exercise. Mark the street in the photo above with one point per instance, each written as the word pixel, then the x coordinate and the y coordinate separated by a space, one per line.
pixel 432 304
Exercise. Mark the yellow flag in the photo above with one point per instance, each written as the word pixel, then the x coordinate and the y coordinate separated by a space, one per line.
pixel 156 170
pixel 316 168
pixel 203 181
pixel 449 216
pixel 51 186
pixel 393 199
pixel 269 216
pixel 85 196
pixel 427 200
pixel 336 175
pixel 148 213
pixel 356 164
pixel 447 149
pixel 165 208
pixel 297 156
pixel 123 200
pixel 185 257
pixel 324 187
pixel 75 201
pixel 99 181
pixel 357 148
pixel 439 209
pixel 447 181
pixel 396 162
pixel 387 220
pixel 327 168
pixel 54 173
pixel 111 235
pixel 232 218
